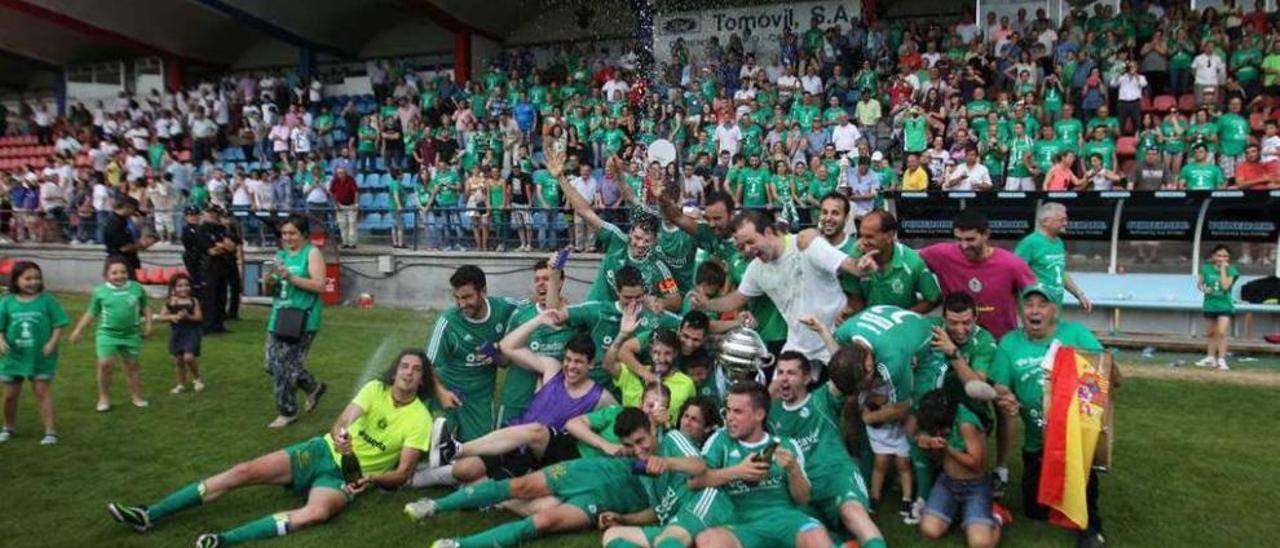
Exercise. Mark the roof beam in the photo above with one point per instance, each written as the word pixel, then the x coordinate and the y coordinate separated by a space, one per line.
pixel 448 20
pixel 100 33
pixel 272 29
pixel 28 58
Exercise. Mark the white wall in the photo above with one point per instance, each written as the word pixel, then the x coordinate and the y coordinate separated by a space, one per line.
pixel 144 83
pixel 1010 9
pixel 90 92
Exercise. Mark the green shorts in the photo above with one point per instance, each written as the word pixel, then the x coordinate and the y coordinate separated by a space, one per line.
pixel 708 508
pixel 42 370
pixel 775 529
pixel 835 487
pixel 596 485
pixel 311 465
pixel 472 419
pixel 113 347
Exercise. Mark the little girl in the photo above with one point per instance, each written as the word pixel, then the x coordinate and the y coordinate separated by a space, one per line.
pixel 125 321
pixel 183 313
pixel 31 323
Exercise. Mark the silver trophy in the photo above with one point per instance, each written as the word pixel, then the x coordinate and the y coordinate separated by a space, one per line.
pixel 742 354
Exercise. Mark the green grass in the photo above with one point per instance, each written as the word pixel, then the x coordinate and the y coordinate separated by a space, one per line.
pixel 1195 463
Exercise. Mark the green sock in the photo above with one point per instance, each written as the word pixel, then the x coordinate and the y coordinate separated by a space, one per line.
pixel 877 542
pixel 665 542
pixel 476 496
pixel 275 525
pixel 507 534
pixel 187 497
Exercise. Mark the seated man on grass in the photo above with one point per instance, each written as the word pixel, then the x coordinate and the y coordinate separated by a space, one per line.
pixel 387 427
pixel 631 376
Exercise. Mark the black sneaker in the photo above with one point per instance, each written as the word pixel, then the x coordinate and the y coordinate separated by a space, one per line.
pixel 906 510
pixel 998 486
pixel 313 397
pixel 136 517
pixel 1090 538
pixel 443 445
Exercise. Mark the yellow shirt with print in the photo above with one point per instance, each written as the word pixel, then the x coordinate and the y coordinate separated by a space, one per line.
pixel 384 428
pixel 632 387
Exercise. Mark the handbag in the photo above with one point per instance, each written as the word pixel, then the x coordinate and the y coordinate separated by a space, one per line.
pixel 291 323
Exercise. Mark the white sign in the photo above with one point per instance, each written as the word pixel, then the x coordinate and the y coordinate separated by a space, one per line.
pixel 765 21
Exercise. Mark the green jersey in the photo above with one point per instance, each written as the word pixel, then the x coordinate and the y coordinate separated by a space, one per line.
pixel 753 501
pixel 905 281
pixel 548 188
pixel 915 134
pixel 669 491
pixel 366 139
pixel 446 184
pixel 754 181
pixel 1047 258
pixel 289 295
pixel 1110 123
pixel 676 249
pixel 658 280
pixel 613 139
pixel 978 108
pixel 806 115
pixel 601 320
pixel 1233 133
pixel 894 335
pixel 1206 176
pixel 1068 131
pixel 199 196
pixel 1204 133
pixel 814 424
pixel 832 114
pixel 27 326
pixel 1052 101
pixel 752 135
pixel 1019 366
pixel 1174 138
pixel 1045 153
pixel 1244 64
pixel 119 311
pixel 1217 299
pixel 1019 147
pixel 453 349
pixel 520 383
pixel 1106 149
pixel 933 369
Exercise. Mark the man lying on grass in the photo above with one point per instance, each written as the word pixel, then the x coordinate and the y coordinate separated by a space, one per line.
pixel 386 427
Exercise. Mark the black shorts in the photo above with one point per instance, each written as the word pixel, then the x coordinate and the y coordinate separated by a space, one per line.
pixel 1216 315
pixel 561 447
pixel 184 339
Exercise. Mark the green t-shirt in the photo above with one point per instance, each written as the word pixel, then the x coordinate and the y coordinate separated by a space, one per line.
pixel 1019 147
pixel 1204 133
pixel 1068 132
pixel 453 349
pixel 1174 140
pixel 676 249
pixel 601 422
pixel 1233 133
pixel 548 188
pixel 119 311
pixel 819 188
pixel 752 137
pixel 1105 148
pixel 1216 297
pixel 754 181
pixel 613 139
pixel 383 429
pixel 1111 123
pixel 669 492
pixel 1048 261
pixel 933 369
pixel 1270 62
pixel 914 134
pixel 978 108
pixel 290 296
pixel 520 383
pixel 1244 64
pixel 1206 176
pixel 28 326
pixel 1045 153
pixel 446 184
pixel 366 139
pixel 1052 101
pixel 905 281
pixel 753 501
pixel 1019 366
pixel 894 335
pixel 199 196
pixel 814 424
pixel 601 320
pixel 658 280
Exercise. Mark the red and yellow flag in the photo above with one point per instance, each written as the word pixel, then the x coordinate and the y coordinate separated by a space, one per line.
pixel 1075 399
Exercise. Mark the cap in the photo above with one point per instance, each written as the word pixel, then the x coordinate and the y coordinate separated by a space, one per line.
pixel 1035 288
pixel 877 156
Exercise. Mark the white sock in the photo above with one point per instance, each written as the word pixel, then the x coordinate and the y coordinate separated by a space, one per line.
pixel 432 477
pixel 1002 473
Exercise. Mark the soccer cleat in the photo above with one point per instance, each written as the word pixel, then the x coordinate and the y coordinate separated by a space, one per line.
pixel 313 397
pixel 208 540
pixel 906 510
pixel 421 509
pixel 136 517
pixel 49 439
pixel 282 421
pixel 445 543
pixel 1207 361
pixel 1090 538
pixel 443 445
pixel 1003 516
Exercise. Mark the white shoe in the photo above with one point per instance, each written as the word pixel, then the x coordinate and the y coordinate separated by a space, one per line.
pixel 49 439
pixel 5 435
pixel 282 421
pixel 103 406
pixel 141 403
pixel 177 389
pixel 1222 365
pixel 1207 361
pixel 197 385
pixel 421 509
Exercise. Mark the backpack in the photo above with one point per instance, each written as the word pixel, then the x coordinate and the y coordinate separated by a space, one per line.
pixel 1262 291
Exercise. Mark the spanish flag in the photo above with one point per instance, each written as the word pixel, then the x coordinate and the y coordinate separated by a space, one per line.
pixel 1075 399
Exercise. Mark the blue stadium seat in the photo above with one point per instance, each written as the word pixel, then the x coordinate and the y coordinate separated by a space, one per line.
pixel 379 164
pixel 360 182
pixel 382 201
pixel 365 200
pixel 386 180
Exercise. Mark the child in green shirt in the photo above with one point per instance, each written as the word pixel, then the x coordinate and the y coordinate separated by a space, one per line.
pixel 31 322
pixel 124 320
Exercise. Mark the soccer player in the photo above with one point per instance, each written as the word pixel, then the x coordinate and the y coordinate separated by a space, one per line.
pixel 764 476
pixel 566 392
pixel 1019 374
pixel 949 434
pixel 630 376
pixel 812 419
pixel 634 249
pixel 455 346
pixel 669 460
pixel 900 277
pixel 546 340
pixel 798 273
pixel 1046 255
pixel 387 427
pixel 675 248
pixel 603 319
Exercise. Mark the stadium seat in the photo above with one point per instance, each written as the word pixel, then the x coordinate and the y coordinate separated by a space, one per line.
pixel 385 181
pixel 1127 165
pixel 1162 103
pixel 365 200
pixel 1187 103
pixel 1126 147
pixel 360 182
pixel 1257 122
pixel 382 201
pixel 1147 104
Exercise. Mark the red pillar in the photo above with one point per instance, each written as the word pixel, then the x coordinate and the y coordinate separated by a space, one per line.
pixel 461 55
pixel 173 80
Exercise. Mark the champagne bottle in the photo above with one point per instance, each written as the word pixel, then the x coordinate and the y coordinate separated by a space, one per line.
pixel 766 456
pixel 351 472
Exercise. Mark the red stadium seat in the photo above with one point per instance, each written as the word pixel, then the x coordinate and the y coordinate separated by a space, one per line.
pixel 169 273
pixel 1162 103
pixel 1127 166
pixel 1187 103
pixel 1127 147
pixel 1147 105
pixel 141 276
pixel 1257 122
pixel 6 266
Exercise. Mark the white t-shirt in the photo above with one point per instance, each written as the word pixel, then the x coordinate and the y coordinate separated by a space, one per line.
pixel 135 167
pixel 845 137
pixel 101 197
pixel 971 176
pixel 261 193
pixel 727 138
pixel 301 139
pixel 800 283
pixel 240 194
pixel 218 191
pixel 812 84
pixel 1270 148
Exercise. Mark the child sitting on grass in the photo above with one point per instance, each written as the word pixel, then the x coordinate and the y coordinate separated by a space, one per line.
pixel 31 323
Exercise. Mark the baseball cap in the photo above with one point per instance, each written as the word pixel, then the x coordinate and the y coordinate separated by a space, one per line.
pixel 877 156
pixel 1035 288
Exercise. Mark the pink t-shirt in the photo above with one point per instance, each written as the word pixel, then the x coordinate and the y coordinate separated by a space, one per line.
pixel 994 283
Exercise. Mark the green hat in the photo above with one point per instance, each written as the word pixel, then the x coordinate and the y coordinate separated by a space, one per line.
pixel 1035 288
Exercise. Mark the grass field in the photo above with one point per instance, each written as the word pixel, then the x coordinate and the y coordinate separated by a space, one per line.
pixel 1195 464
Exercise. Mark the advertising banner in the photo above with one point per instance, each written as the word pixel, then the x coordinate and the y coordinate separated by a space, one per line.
pixel 765 21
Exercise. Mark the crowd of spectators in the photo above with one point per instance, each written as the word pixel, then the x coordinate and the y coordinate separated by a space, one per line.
pixel 1149 96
